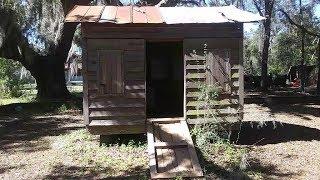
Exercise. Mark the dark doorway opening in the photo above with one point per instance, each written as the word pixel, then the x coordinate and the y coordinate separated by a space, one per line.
pixel 164 79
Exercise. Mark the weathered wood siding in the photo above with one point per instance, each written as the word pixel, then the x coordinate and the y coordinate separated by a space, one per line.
pixel 116 104
pixel 162 32
pixel 214 61
pixel 115 80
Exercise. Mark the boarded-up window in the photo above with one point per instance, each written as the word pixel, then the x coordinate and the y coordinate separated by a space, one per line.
pixel 219 71
pixel 110 72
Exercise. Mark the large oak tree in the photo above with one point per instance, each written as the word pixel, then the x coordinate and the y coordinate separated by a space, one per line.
pixel 34 33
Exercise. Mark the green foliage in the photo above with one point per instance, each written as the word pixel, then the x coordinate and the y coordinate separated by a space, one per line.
pixel 10 82
pixel 252 55
pixel 208 93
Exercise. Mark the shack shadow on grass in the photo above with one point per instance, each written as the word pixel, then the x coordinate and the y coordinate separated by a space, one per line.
pixel 298 109
pixel 132 139
pixel 272 132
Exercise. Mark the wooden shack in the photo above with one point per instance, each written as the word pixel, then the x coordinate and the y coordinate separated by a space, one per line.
pixel 143 69
pixel 143 63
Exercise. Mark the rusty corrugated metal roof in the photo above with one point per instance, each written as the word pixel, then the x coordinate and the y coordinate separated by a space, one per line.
pixel 159 15
pixel 122 15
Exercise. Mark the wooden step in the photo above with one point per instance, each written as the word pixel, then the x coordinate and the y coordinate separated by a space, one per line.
pixel 165 120
pixel 116 122
pixel 171 150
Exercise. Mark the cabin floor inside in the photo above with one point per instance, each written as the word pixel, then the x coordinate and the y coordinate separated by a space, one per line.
pixel 170 147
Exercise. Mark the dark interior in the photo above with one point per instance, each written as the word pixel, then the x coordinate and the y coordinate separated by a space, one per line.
pixel 164 79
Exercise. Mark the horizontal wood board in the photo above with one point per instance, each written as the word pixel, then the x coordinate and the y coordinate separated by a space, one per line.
pixel 212 61
pixel 115 100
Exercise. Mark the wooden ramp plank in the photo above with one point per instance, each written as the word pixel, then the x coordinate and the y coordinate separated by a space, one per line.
pixel 171 150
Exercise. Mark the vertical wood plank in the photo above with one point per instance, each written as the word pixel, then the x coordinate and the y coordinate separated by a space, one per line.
pixel 85 82
pixel 159 152
pixel 120 79
pixel 151 150
pixel 241 75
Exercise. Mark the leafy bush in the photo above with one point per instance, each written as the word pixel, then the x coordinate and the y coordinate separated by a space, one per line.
pixel 10 82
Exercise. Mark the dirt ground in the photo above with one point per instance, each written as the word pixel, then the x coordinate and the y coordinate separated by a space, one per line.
pixel 283 142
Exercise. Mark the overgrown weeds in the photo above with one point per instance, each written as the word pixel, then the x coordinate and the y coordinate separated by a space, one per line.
pixel 212 138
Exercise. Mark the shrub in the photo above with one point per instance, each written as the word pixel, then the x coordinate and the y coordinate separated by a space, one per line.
pixel 10 82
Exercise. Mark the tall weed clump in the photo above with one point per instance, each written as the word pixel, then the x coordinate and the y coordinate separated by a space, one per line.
pixel 212 137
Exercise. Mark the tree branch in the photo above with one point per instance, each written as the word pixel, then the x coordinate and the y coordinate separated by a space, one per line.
pixel 298 25
pixel 161 3
pixel 258 7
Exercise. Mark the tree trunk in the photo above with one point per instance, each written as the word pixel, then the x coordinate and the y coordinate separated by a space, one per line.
pixel 49 74
pixel 302 69
pixel 266 45
pixel 49 70
pixel 318 81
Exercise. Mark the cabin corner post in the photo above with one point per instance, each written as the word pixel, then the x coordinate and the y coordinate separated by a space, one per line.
pixel 241 75
pixel 85 79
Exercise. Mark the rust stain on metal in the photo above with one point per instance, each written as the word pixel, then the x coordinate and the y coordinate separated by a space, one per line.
pixel 77 13
pixel 153 15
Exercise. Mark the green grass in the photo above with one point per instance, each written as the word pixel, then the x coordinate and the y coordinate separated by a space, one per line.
pixel 29 94
pixel 27 103
pixel 111 160
pixel 25 98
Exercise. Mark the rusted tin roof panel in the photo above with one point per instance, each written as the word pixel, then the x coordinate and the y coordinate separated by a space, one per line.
pixel 85 14
pixel 153 15
pixel 77 13
pixel 93 14
pixel 123 15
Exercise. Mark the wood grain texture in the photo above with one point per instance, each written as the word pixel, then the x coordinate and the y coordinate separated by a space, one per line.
pixel 161 31
pixel 171 150
pixel 217 64
pixel 85 82
pixel 116 85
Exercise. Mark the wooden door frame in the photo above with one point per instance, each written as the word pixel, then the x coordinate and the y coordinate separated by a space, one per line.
pixel 157 40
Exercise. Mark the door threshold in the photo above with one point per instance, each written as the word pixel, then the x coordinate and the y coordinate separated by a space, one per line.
pixel 166 120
